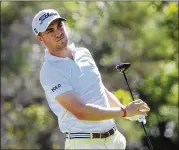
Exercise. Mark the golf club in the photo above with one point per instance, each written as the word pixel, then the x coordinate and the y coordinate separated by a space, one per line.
pixel 122 68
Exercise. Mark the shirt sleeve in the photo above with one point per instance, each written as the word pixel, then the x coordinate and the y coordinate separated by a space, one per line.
pixel 55 84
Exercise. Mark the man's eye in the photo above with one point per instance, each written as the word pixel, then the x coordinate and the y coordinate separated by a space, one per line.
pixel 49 31
pixel 60 25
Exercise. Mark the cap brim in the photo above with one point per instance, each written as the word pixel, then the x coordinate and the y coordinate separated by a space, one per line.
pixel 63 19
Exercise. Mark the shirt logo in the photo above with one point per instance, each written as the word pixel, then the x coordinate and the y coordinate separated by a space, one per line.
pixel 45 16
pixel 56 87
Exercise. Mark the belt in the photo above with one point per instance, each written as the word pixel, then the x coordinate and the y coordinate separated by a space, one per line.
pixel 91 135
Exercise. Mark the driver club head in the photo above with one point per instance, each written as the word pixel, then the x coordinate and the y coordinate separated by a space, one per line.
pixel 123 67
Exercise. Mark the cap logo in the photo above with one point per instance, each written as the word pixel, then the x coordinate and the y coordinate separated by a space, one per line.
pixel 35 30
pixel 45 16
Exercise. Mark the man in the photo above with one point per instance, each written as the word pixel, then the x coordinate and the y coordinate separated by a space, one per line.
pixel 72 83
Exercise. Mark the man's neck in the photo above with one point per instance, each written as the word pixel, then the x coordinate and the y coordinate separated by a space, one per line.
pixel 66 52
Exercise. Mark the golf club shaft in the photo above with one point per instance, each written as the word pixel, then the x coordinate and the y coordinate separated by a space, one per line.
pixel 148 140
pixel 128 85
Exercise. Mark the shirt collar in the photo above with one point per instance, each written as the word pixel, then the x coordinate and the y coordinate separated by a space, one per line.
pixel 50 57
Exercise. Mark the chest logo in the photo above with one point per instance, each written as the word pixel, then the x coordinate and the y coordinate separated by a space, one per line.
pixel 56 87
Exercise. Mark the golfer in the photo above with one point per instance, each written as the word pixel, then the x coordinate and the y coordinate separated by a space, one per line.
pixel 75 92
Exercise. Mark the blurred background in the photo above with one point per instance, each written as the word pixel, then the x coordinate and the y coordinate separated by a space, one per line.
pixel 144 34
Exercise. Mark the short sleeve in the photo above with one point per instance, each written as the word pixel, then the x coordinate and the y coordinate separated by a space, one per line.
pixel 54 84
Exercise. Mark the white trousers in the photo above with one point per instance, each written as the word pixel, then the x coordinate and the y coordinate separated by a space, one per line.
pixel 115 141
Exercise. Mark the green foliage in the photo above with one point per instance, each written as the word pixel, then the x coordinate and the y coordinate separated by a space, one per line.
pixel 131 129
pixel 168 112
pixel 41 115
pixel 123 96
pixel 13 60
pixel 24 125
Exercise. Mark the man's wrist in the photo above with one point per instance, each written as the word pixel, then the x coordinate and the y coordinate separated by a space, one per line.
pixel 124 112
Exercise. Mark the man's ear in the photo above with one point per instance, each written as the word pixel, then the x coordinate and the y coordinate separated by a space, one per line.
pixel 39 38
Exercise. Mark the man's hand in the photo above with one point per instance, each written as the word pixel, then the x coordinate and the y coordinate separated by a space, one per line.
pixel 137 107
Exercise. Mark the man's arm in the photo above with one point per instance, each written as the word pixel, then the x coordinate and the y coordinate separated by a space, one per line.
pixel 93 112
pixel 113 100
pixel 87 111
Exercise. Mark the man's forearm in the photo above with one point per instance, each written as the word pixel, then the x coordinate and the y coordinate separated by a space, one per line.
pixel 97 113
pixel 113 100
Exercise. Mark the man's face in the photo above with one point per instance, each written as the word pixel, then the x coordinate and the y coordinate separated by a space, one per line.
pixel 55 37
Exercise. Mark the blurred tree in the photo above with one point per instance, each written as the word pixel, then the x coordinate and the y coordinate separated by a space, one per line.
pixel 12 54
pixel 161 88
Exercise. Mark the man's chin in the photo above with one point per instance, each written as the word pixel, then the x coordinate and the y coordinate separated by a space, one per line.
pixel 62 46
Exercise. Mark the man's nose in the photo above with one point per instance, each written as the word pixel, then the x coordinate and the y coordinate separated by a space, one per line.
pixel 58 32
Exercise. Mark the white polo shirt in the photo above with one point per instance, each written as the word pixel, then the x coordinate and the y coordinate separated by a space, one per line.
pixel 81 75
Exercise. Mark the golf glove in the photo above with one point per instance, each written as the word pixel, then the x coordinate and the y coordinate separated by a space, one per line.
pixel 140 118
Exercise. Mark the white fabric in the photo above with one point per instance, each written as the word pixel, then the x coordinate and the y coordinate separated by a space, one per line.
pixel 115 141
pixel 140 118
pixel 43 19
pixel 59 75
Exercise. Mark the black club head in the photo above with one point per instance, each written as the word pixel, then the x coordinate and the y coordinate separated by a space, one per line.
pixel 123 67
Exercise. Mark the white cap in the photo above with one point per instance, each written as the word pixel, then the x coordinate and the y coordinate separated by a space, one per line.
pixel 42 20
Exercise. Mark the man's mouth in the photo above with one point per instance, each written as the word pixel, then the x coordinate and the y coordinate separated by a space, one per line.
pixel 60 38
